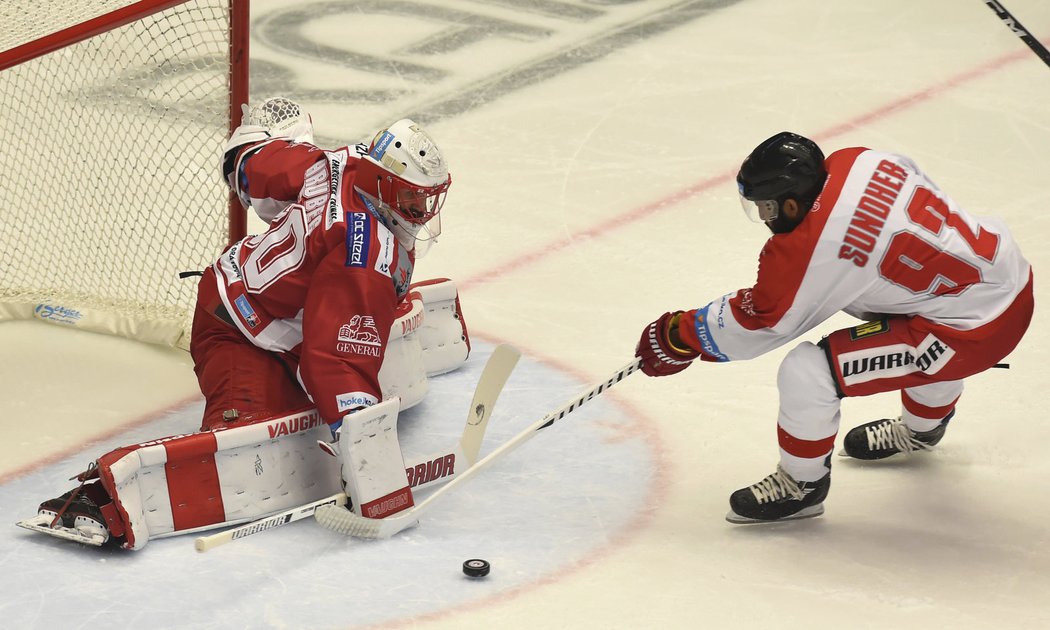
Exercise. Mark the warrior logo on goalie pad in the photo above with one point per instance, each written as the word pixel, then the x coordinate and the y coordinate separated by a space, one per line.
pixel 439 468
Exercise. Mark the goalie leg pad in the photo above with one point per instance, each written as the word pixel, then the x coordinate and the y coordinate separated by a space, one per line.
pixel 243 472
pixel 443 333
pixel 429 337
pixel 373 468
pixel 403 374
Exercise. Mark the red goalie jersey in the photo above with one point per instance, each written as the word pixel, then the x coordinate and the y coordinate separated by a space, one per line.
pixel 321 286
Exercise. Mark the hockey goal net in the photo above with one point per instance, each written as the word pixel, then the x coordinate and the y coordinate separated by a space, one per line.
pixel 113 116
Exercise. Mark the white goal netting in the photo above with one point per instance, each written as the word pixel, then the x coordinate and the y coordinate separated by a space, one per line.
pixel 110 152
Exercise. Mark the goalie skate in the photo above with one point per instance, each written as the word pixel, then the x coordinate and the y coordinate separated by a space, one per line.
pixel 82 532
pixel 75 515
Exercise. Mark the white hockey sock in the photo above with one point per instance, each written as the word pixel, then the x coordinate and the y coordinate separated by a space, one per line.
pixel 917 424
pixel 805 468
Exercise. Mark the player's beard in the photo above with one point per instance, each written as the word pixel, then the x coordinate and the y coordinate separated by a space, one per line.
pixel 782 224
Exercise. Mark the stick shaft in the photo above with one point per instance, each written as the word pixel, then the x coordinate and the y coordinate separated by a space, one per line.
pixel 206 543
pixel 346 522
pixel 1018 29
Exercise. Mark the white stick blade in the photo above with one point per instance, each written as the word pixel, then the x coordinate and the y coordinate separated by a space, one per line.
pixel 494 376
pixel 348 523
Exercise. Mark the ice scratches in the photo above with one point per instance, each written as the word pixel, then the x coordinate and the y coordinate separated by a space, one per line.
pixel 563 10
pixel 427 78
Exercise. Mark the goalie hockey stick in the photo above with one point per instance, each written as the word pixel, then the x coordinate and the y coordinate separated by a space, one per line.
pixel 346 522
pixel 1018 29
pixel 493 377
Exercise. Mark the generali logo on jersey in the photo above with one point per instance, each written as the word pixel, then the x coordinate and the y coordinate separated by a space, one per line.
pixel 359 336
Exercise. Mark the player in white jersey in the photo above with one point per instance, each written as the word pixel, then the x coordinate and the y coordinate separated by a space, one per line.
pixel 945 295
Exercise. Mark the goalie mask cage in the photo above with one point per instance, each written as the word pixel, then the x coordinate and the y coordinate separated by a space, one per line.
pixel 113 118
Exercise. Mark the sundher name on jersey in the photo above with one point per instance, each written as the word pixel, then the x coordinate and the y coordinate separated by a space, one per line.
pixel 870 215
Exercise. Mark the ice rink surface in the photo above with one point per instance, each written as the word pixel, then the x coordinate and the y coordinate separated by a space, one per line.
pixel 593 146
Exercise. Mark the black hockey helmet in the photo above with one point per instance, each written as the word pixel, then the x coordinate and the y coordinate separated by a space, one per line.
pixel 785 166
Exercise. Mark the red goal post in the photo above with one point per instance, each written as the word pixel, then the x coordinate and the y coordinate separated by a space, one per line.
pixel 113 115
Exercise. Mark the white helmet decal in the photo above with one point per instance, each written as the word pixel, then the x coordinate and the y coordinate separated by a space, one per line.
pixel 407 151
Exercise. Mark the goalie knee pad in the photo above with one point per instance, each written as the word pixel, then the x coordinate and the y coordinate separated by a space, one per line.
pixel 403 373
pixel 428 338
pixel 443 333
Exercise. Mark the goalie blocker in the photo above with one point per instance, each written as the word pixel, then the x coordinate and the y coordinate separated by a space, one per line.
pixel 249 470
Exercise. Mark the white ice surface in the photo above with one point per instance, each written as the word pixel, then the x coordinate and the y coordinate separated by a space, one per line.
pixel 588 200
pixel 557 502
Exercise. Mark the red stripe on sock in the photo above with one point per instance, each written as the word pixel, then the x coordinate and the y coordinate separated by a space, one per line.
pixel 922 411
pixel 804 448
pixel 193 482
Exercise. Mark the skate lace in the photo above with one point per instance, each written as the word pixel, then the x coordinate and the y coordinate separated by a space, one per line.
pixel 776 486
pixel 82 477
pixel 893 434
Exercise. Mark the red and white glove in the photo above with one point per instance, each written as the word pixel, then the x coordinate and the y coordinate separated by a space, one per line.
pixel 660 356
pixel 276 117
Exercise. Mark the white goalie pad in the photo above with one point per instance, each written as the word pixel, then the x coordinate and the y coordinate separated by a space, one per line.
pixel 443 333
pixel 403 374
pixel 428 338
pixel 373 468
pixel 194 482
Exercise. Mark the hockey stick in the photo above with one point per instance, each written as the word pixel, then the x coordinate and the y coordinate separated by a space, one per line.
pixel 206 543
pixel 1018 29
pixel 346 522
pixel 490 385
pixel 497 370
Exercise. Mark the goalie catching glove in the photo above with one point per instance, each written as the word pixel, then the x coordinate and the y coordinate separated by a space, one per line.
pixel 661 349
pixel 276 117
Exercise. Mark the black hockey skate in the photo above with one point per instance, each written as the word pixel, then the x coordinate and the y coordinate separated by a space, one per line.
pixel 882 438
pixel 75 516
pixel 778 497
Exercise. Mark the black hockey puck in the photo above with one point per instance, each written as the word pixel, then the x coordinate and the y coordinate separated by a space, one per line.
pixel 476 568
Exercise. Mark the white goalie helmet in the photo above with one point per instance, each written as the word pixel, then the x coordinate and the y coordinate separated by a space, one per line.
pixel 406 179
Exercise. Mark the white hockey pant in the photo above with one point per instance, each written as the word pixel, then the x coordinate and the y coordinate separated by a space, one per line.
pixel 810 409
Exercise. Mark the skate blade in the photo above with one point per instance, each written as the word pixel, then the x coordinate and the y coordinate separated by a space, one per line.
pixel 810 512
pixel 42 523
